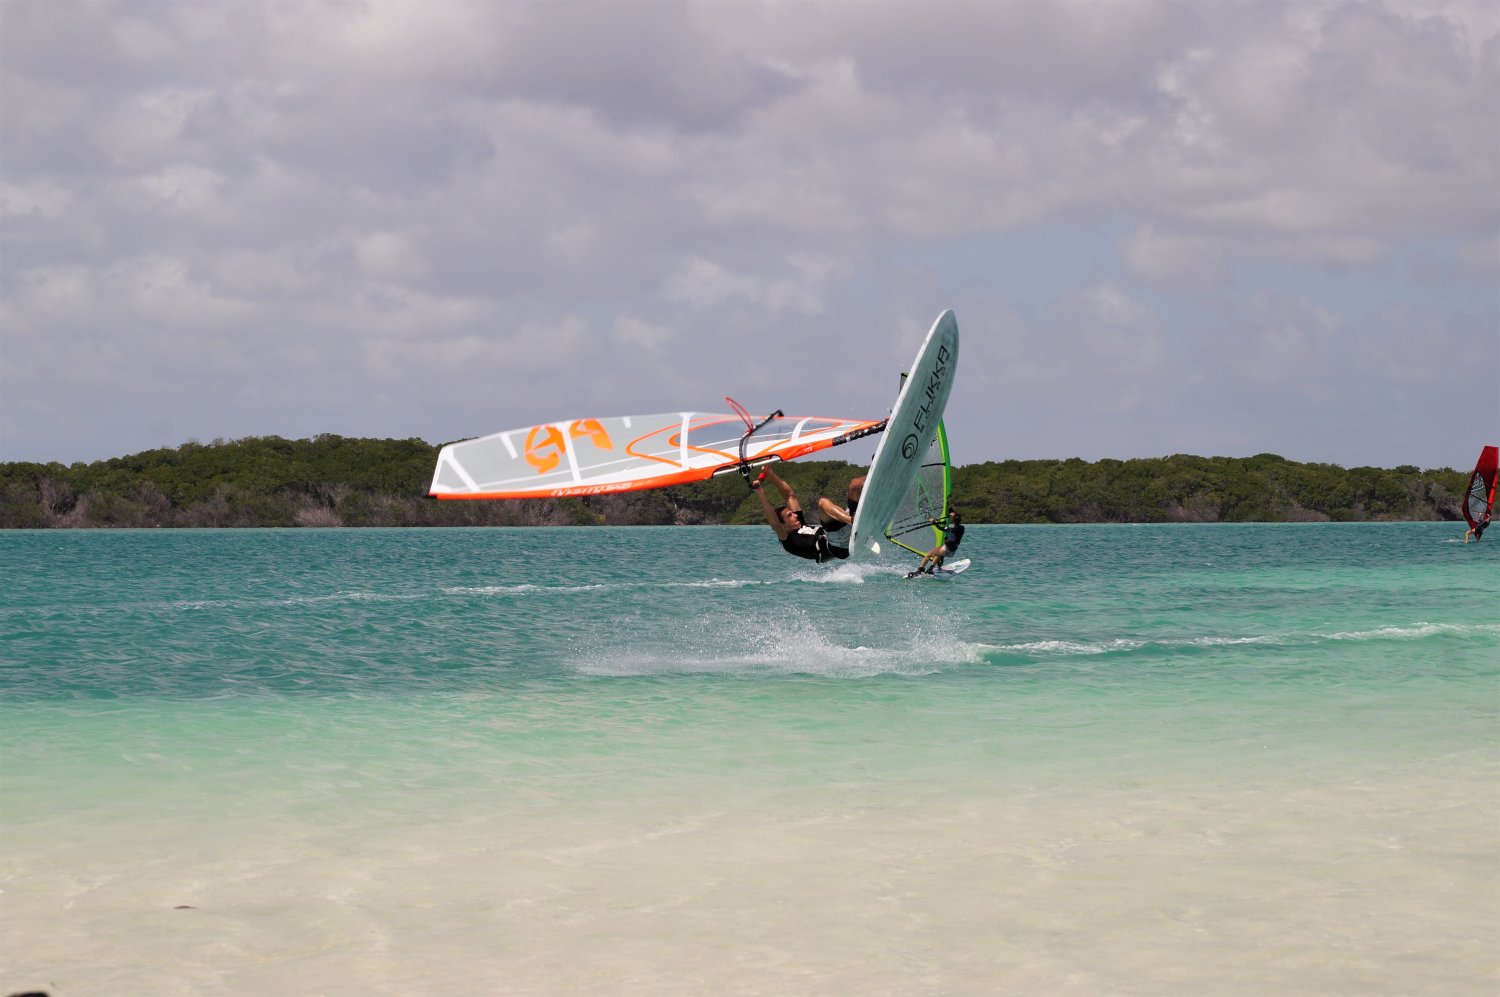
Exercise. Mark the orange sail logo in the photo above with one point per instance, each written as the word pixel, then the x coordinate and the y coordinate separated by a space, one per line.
pixel 545 447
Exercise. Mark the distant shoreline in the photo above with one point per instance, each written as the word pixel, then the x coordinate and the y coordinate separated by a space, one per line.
pixel 332 481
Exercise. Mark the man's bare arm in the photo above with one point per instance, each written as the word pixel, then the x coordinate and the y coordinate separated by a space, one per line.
pixel 785 490
pixel 782 530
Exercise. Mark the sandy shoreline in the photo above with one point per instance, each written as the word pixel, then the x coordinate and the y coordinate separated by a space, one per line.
pixel 1287 886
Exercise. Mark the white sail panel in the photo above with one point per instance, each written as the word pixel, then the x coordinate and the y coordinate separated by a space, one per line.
pixel 596 456
pixel 918 521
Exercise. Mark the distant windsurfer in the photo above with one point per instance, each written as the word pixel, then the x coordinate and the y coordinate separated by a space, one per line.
pixel 953 535
pixel 826 542
pixel 1479 493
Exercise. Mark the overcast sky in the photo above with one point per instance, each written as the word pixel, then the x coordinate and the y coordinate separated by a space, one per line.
pixel 1184 227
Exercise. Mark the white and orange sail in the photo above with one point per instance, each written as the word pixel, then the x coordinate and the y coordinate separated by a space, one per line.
pixel 603 455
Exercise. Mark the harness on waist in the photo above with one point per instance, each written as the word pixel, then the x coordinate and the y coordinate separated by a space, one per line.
pixel 810 542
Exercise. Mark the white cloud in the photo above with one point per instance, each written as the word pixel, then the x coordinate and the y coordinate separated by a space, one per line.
pixel 1117 343
pixel 705 284
pixel 184 186
pixel 42 198
pixel 53 290
pixel 643 335
pixel 389 256
pixel 247 273
pixel 138 40
pixel 1293 342
pixel 147 128
pixel 1173 259
pixel 1480 258
pixel 289 179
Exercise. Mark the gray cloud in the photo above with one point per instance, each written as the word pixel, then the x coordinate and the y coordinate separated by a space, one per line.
pixel 396 218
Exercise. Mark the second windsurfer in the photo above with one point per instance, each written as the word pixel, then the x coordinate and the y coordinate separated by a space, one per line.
pixel 953 535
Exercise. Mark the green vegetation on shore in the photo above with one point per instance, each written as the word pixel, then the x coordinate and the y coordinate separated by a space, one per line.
pixel 336 481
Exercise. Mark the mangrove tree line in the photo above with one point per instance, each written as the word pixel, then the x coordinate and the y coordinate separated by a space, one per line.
pixel 338 481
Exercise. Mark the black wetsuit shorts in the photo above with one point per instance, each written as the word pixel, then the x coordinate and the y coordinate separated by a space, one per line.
pixel 810 542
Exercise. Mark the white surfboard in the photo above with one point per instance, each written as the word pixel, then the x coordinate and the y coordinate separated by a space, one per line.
pixel 946 571
pixel 903 445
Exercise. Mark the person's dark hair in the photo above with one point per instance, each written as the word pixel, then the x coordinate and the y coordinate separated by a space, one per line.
pixel 955 517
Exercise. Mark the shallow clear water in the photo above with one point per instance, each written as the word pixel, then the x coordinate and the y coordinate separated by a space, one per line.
pixel 1127 759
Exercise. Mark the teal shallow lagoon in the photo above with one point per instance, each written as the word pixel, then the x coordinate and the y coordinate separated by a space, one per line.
pixel 1108 759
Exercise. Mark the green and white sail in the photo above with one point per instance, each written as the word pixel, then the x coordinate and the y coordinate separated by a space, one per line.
pixel 918 522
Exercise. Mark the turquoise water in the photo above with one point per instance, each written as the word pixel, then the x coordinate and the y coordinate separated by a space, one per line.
pixel 1129 759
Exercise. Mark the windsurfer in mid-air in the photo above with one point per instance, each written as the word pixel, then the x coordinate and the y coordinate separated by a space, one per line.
pixel 1477 530
pixel 826 542
pixel 953 534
